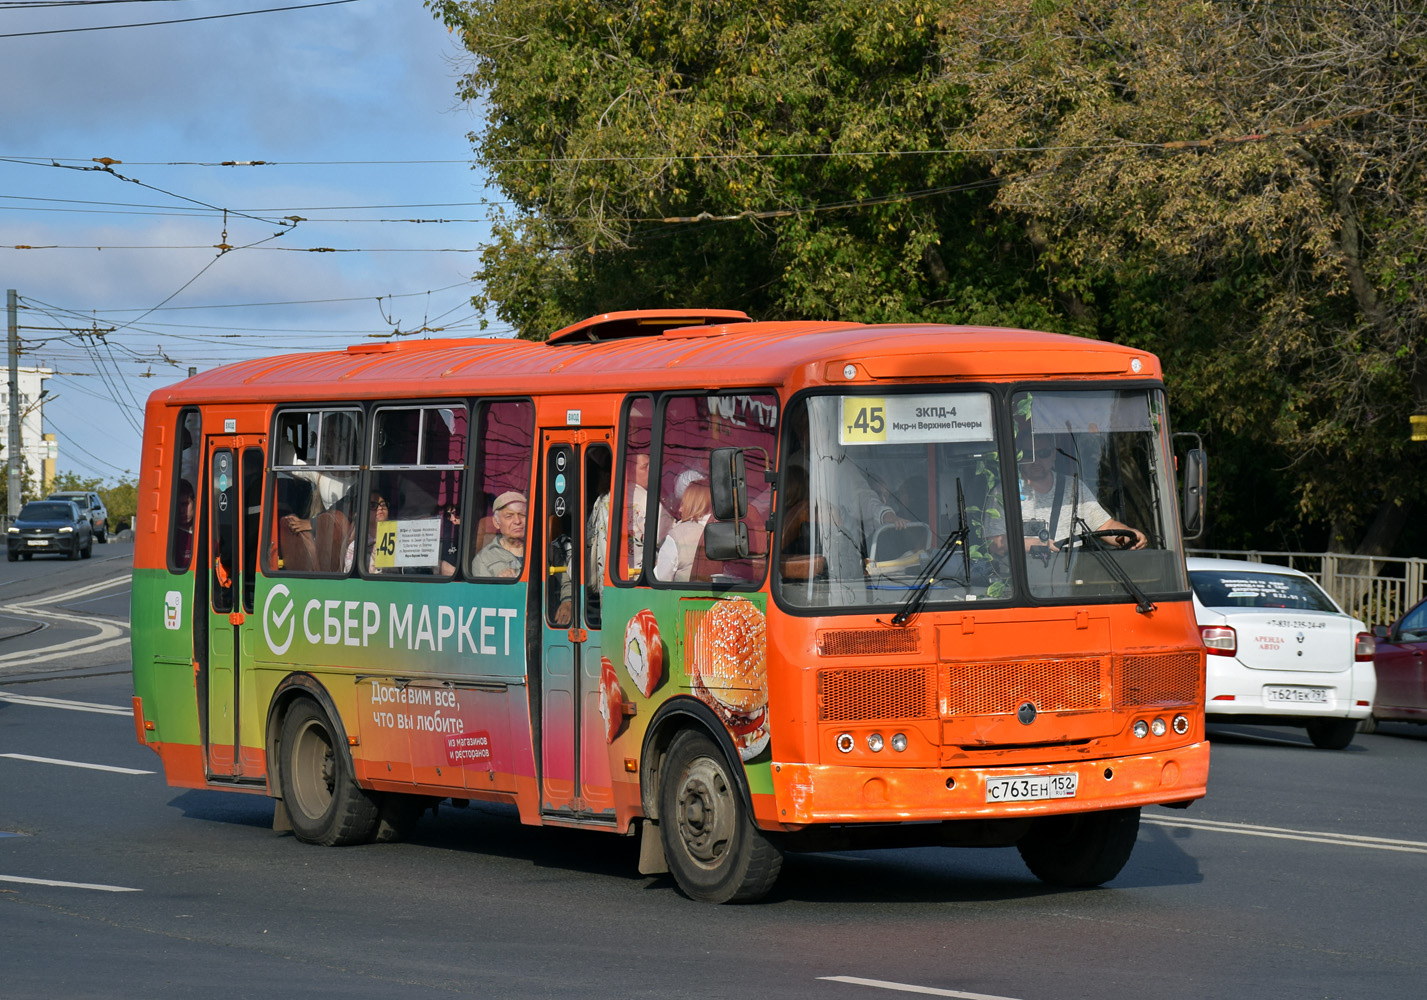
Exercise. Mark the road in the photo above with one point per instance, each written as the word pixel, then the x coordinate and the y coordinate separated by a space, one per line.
pixel 1303 874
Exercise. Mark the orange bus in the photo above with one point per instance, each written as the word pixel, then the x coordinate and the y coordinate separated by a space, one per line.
pixel 739 588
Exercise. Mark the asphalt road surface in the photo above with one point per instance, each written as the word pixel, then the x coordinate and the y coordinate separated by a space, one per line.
pixel 1302 875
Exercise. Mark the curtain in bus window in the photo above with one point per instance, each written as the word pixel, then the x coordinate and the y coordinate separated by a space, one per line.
pixel 413 520
pixel 316 457
pixel 693 427
pixel 505 443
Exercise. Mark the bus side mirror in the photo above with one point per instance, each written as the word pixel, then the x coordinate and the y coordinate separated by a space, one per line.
pixel 725 540
pixel 1196 476
pixel 727 486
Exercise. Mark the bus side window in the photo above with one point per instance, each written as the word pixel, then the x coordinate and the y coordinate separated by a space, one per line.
pixel 316 461
pixel 504 445
pixel 184 508
pixel 597 516
pixel 418 477
pixel 633 513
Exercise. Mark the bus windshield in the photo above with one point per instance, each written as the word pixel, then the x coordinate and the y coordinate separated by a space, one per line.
pixel 901 499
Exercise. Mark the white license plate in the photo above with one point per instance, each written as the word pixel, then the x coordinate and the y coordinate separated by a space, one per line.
pixel 1032 787
pixel 1297 695
pixel 37 542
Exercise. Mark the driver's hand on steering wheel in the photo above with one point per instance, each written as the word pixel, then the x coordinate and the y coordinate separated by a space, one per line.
pixel 1138 543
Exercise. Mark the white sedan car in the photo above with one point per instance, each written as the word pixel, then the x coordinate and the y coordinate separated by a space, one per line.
pixel 1281 651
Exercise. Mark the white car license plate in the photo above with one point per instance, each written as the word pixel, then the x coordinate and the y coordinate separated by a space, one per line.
pixel 37 542
pixel 1032 787
pixel 1297 695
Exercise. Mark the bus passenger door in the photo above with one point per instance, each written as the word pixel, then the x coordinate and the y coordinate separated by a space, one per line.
pixel 234 502
pixel 575 779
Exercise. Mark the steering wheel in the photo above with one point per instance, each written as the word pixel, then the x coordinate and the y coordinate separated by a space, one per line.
pixel 1127 537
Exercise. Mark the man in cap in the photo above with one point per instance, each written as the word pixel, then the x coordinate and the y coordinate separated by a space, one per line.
pixel 504 555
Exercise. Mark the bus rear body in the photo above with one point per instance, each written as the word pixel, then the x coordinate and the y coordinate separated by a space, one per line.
pixel 742 587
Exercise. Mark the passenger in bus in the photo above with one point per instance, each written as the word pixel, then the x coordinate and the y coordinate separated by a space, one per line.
pixel 450 538
pixel 377 511
pixel 504 555
pixel 638 507
pixel 183 524
pixel 675 561
pixel 1050 500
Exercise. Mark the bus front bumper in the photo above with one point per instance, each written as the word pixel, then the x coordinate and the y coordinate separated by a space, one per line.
pixel 821 793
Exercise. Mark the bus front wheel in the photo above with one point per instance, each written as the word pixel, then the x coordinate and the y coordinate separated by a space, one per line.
pixel 1082 849
pixel 713 850
pixel 324 803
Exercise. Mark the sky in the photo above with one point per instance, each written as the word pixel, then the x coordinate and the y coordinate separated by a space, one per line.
pixel 353 108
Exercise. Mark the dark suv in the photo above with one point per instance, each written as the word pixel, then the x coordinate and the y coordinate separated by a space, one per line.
pixel 90 504
pixel 50 526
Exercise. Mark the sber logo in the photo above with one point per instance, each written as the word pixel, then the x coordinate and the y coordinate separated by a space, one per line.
pixel 277 616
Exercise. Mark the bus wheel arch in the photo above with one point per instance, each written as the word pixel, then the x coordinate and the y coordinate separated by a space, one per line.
pixel 696 792
pixel 310 768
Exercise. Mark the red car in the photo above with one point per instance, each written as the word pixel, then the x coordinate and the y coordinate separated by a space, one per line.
pixel 1401 673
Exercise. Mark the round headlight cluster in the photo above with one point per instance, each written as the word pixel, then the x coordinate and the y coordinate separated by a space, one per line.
pixel 846 742
pixel 1159 727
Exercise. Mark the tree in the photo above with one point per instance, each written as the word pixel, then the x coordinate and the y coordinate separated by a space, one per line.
pixel 120 497
pixel 1237 187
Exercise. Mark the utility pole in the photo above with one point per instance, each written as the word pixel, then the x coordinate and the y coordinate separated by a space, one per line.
pixel 12 448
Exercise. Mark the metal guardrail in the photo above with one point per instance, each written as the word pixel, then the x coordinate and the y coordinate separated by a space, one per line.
pixel 1376 589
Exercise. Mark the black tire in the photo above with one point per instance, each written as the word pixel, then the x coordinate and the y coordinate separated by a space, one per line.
pixel 713 850
pixel 88 550
pixel 324 803
pixel 1332 734
pixel 103 533
pixel 27 556
pixel 1082 849
pixel 12 556
pixel 397 815
pixel 1368 725
pixel 74 551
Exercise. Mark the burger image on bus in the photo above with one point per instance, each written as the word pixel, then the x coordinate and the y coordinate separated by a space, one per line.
pixel 729 671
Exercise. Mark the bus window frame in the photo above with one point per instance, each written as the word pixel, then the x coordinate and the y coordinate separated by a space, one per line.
pixel 656 500
pixel 471 519
pixel 1002 394
pixel 619 511
pixel 275 441
pixel 198 485
pixel 371 468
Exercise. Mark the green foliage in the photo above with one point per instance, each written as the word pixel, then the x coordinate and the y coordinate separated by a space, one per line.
pixel 1239 189
pixel 121 498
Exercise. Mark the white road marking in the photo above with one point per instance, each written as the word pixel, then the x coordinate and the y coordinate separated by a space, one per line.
pixel 75 763
pixel 108 634
pixel 67 885
pixel 1279 833
pixel 73 706
pixel 909 988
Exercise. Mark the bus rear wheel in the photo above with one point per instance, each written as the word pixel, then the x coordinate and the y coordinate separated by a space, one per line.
pixel 1082 849
pixel 713 850
pixel 324 803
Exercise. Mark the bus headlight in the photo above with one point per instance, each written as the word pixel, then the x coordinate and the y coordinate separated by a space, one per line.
pixel 1141 729
pixel 874 742
pixel 899 742
pixel 1181 724
pixel 1158 727
pixel 845 742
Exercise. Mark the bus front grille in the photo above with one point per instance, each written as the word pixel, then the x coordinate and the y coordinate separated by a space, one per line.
pixel 1158 679
pixel 862 694
pixel 1000 687
pixel 869 641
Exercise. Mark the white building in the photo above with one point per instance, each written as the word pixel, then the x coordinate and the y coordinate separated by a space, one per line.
pixel 33 445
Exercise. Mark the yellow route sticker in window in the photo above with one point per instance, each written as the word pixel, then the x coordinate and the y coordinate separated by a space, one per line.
pixel 864 420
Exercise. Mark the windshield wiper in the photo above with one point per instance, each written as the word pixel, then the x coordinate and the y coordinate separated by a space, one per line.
pixel 1112 566
pixel 912 606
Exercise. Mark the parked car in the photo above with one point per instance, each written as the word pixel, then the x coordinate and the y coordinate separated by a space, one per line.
pixel 1401 674
pixel 1281 651
pixel 50 526
pixel 93 507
